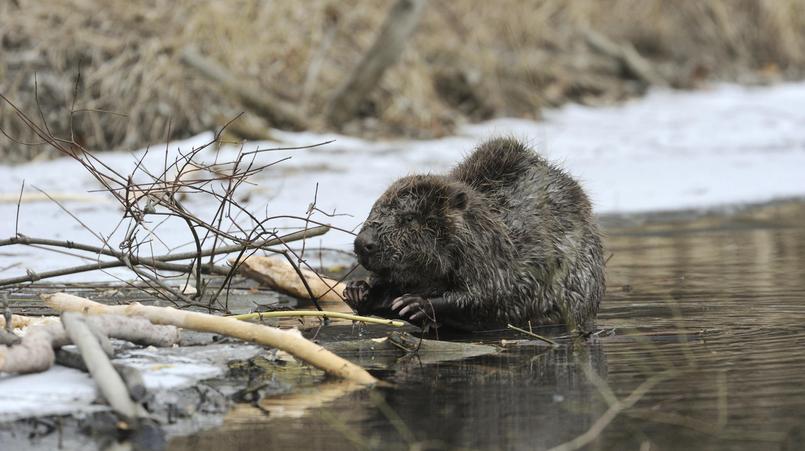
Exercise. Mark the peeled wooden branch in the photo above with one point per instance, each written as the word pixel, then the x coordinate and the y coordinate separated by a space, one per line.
pixel 290 341
pixel 279 274
pixel 276 112
pixel 35 352
pixel 110 383
pixel 19 321
pixel 384 53
pixel 319 314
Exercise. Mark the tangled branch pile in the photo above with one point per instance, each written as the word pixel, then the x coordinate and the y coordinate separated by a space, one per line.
pixel 468 60
pixel 195 188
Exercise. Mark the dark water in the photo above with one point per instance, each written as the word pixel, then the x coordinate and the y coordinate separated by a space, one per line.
pixel 709 335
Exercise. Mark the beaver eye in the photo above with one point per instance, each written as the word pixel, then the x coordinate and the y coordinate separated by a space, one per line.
pixel 407 218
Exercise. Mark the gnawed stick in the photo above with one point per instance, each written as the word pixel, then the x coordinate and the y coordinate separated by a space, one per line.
pixel 278 273
pixel 290 341
pixel 109 383
pixel 35 352
pixel 318 314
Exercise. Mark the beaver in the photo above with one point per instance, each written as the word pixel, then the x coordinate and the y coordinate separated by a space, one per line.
pixel 504 238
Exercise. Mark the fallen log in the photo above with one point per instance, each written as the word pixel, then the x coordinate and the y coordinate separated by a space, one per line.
pixel 35 352
pixel 290 341
pixel 279 274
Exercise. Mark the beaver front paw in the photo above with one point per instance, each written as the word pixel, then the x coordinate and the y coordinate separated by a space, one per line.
pixel 416 309
pixel 356 293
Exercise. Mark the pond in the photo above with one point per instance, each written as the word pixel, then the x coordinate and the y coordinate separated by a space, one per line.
pixel 700 346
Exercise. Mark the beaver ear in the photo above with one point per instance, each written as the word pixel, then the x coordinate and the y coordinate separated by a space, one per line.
pixel 458 200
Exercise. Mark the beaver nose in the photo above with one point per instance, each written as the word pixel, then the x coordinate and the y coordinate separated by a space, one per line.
pixel 365 243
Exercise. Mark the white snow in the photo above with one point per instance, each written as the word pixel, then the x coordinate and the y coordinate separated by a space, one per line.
pixel 62 390
pixel 58 391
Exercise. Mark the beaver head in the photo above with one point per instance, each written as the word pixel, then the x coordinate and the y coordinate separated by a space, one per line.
pixel 414 229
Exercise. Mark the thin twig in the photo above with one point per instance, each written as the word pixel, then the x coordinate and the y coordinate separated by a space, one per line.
pixel 319 314
pixel 19 201
pixel 532 334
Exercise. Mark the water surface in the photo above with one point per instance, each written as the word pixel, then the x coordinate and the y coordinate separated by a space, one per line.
pixel 709 310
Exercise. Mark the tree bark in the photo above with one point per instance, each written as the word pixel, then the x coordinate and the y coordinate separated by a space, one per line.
pixel 384 53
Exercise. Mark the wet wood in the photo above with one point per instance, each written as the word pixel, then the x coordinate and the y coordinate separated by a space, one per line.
pixel 109 382
pixel 290 341
pixel 386 351
pixel 35 351
pixel 278 273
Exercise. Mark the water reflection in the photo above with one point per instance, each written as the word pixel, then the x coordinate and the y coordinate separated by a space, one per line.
pixel 516 400
pixel 719 301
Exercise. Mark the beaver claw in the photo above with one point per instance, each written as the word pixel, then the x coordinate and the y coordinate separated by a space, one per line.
pixel 356 292
pixel 416 309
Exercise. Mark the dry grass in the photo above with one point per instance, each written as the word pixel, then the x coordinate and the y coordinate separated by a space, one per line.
pixel 470 58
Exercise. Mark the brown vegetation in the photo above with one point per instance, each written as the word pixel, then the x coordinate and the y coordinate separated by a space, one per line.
pixel 468 60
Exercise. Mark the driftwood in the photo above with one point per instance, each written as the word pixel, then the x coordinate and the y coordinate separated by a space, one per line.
pixel 290 341
pixel 629 58
pixel 279 274
pixel 109 382
pixel 276 112
pixel 35 352
pixel 384 53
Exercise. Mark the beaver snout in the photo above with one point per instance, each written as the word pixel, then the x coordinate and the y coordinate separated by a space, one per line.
pixel 365 247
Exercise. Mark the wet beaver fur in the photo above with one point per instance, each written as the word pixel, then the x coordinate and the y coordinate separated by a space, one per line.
pixel 504 238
